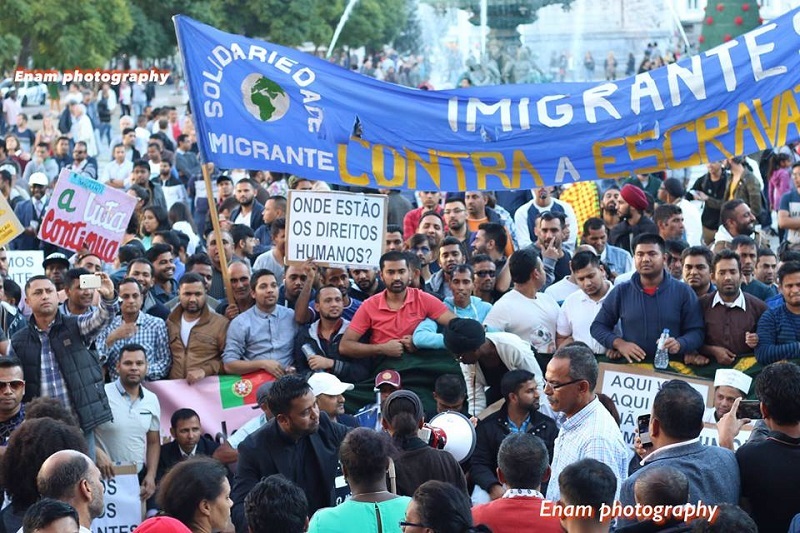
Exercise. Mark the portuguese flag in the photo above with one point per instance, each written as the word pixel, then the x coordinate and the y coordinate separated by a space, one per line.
pixel 236 391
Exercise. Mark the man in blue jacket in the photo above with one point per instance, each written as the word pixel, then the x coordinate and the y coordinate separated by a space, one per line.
pixel 646 305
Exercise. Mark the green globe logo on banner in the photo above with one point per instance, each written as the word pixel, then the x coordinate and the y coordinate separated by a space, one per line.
pixel 263 98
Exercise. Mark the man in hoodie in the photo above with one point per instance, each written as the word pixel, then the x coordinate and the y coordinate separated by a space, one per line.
pixel 652 301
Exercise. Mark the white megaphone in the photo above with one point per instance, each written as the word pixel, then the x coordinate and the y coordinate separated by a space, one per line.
pixel 460 432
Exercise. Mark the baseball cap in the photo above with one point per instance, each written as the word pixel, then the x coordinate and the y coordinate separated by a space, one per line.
pixel 262 394
pixel 38 178
pixel 324 383
pixel 55 258
pixel 391 377
pixel 224 177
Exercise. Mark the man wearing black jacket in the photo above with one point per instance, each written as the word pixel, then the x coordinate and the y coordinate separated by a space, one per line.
pixel 189 441
pixel 519 414
pixel 300 442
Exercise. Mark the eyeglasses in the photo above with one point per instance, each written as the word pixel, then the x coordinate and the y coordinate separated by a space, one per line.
pixel 15 385
pixel 486 273
pixel 453 211
pixel 412 524
pixel 423 249
pixel 556 386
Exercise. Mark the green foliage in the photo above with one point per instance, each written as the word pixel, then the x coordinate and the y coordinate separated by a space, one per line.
pixel 81 34
pixel 9 49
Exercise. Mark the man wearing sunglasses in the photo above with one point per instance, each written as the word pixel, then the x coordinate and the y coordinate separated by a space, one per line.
pixel 12 388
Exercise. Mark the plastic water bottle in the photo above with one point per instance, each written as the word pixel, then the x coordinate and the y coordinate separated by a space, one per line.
pixel 661 360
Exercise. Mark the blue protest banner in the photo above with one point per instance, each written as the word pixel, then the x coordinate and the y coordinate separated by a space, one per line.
pixel 258 105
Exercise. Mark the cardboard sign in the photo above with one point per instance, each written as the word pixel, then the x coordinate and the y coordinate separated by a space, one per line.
pixel 10 225
pixel 23 264
pixel 632 389
pixel 335 228
pixel 122 509
pixel 85 212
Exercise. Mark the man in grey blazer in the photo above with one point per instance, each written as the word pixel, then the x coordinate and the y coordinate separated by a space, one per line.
pixel 675 425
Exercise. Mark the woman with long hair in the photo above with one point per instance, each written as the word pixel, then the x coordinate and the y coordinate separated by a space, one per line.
pixel 440 508
pixel 49 133
pixel 364 455
pixel 197 493
pixel 416 462
pixel 154 218
pixel 181 219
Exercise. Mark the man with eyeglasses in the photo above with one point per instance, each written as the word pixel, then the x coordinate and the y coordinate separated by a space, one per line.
pixel 12 389
pixel 82 163
pixel 588 429
pixel 455 218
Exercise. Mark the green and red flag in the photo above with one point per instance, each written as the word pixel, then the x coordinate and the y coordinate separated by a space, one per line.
pixel 236 391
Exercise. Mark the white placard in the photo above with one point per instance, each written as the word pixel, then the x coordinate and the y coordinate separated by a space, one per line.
pixel 23 264
pixel 710 435
pixel 335 228
pixel 633 389
pixel 122 509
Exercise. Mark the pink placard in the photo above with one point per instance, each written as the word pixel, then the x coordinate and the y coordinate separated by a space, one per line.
pixel 86 214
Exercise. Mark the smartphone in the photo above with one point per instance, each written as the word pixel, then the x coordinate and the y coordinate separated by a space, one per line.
pixel 643 424
pixel 749 409
pixel 89 281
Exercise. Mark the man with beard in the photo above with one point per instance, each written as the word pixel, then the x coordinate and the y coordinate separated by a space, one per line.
pixel 82 162
pixel 608 207
pixel 333 277
pixel 272 259
pixel 490 239
pixel 261 338
pixel 745 247
pixel 672 193
pixel 549 230
pixel 170 183
pixel 639 303
pixel 61 153
pixel 226 241
pixel 485 280
pixel 294 280
pixel 673 256
pixel 243 298
pixel 525 217
pixel 729 384
pixel 731 315
pixel 141 270
pixel 431 201
pixel 201 265
pixel 588 430
pixel 164 287
pixel 79 300
pixel 778 331
pixel 710 189
pixel 479 213
pixel 493 354
pixel 367 283
pixel 669 219
pixel 141 177
pixel 617 260
pixel 455 218
pixel 633 221
pixel 329 391
pixel 428 335
pixel 133 436
pixel 737 219
pixel 316 346
pixel 300 442
pixel 579 308
pixel 519 414
pixel 12 411
pixel 134 326
pixel 249 211
pixel 432 225
pixel 392 316
pixel 450 256
pixel 274 208
pixel 30 214
pixel 766 266
pixel 72 477
pixel 197 334
pixel 189 441
pixel 696 264
pixel 244 242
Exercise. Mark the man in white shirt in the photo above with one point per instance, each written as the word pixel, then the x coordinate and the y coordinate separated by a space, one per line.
pixel 117 171
pixel 524 311
pixel 579 308
pixel 72 477
pixel 729 384
pixel 525 217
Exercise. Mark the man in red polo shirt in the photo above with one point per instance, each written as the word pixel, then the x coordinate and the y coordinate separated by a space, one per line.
pixel 392 315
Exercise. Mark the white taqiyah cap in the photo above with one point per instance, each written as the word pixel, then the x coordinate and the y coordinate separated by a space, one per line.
pixel 733 378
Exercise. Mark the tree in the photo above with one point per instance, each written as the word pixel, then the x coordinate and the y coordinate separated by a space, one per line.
pixel 64 36
pixel 409 39
pixel 725 20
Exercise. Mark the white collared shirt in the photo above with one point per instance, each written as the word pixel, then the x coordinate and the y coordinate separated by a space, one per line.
pixel 190 454
pixel 655 453
pixel 738 302
pixel 576 316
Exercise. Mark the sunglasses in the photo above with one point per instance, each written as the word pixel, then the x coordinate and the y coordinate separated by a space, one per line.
pixel 486 273
pixel 15 385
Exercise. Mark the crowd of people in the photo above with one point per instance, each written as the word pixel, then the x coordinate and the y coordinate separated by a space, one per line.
pixel 482 303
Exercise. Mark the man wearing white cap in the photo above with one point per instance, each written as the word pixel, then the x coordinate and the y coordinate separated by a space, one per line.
pixel 31 212
pixel 729 384
pixel 329 392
